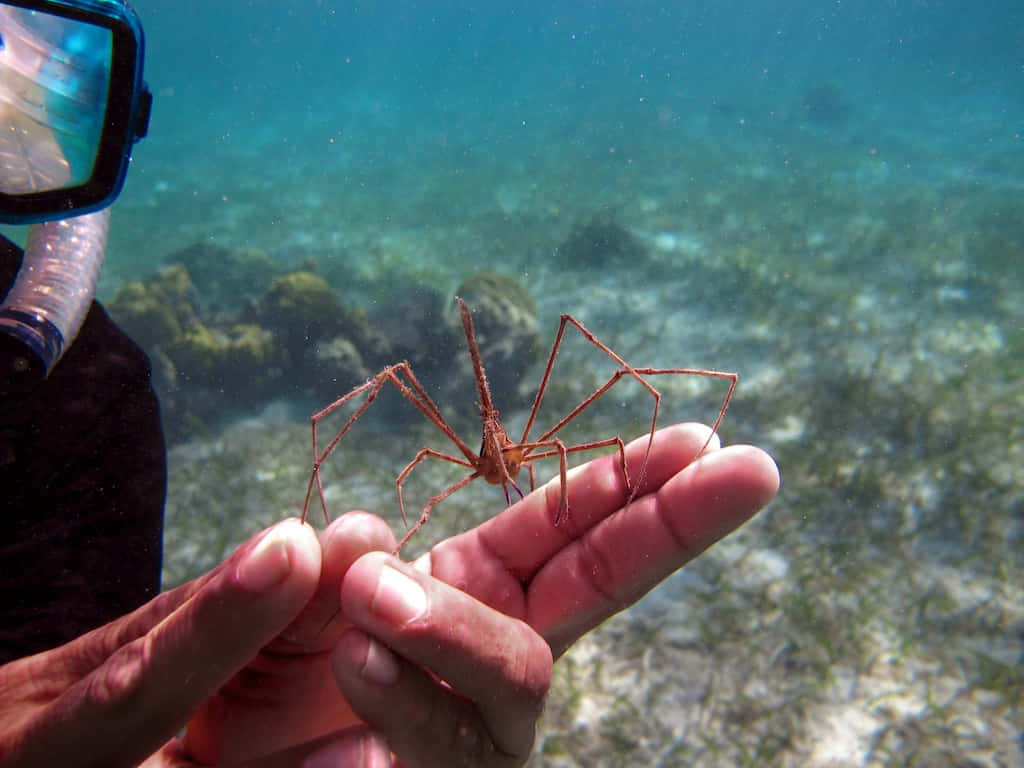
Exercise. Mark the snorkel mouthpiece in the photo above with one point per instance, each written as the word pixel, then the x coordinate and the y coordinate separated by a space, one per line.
pixel 26 343
pixel 50 298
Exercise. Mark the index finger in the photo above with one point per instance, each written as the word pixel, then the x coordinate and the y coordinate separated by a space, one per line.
pixel 614 564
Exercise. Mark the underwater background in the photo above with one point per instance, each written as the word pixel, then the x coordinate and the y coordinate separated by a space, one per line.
pixel 824 197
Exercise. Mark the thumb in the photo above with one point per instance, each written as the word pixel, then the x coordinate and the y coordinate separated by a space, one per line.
pixel 143 693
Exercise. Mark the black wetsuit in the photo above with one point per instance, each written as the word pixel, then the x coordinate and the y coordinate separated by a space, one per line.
pixel 82 482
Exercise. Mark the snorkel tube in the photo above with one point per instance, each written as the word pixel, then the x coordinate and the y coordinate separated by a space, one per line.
pixel 72 103
pixel 51 296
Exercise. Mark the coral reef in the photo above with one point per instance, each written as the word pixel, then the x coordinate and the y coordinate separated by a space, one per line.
pixel 334 366
pixel 321 341
pixel 293 336
pixel 409 323
pixel 208 360
pixel 302 309
pixel 234 358
pixel 227 278
pixel 158 311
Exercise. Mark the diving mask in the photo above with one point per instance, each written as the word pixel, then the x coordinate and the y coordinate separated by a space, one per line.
pixel 72 104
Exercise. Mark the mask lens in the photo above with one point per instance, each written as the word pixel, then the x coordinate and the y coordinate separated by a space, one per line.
pixel 54 82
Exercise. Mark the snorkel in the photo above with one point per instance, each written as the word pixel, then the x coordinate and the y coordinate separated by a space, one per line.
pixel 45 308
pixel 72 103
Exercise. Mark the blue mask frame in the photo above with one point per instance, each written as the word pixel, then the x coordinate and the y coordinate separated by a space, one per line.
pixel 125 115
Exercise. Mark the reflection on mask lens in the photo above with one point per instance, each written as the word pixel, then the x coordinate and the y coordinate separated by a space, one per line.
pixel 54 79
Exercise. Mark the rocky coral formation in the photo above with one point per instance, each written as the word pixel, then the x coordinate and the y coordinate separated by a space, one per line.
pixel 321 341
pixel 254 336
pixel 335 365
pixel 302 308
pixel 411 324
pixel 158 311
pixel 286 335
pixel 235 358
pixel 227 278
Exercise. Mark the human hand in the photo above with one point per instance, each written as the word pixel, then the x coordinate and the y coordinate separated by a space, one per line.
pixel 247 648
pixel 485 611
pixel 242 655
pixel 118 695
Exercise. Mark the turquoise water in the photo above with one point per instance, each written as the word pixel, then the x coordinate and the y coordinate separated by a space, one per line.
pixel 822 197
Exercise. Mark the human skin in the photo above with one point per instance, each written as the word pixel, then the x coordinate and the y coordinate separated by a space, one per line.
pixel 306 651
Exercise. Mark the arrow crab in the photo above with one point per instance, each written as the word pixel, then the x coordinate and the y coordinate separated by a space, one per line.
pixel 500 458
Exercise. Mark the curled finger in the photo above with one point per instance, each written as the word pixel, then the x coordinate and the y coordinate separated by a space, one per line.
pixel 414 633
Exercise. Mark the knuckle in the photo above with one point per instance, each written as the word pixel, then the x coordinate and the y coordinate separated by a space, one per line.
pixel 119 684
pixel 531 669
pixel 599 571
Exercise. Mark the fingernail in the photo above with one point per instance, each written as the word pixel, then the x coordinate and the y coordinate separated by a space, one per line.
pixel 398 599
pixel 267 564
pixel 380 665
pixel 376 753
pixel 374 662
pixel 339 531
pixel 367 750
pixel 424 563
